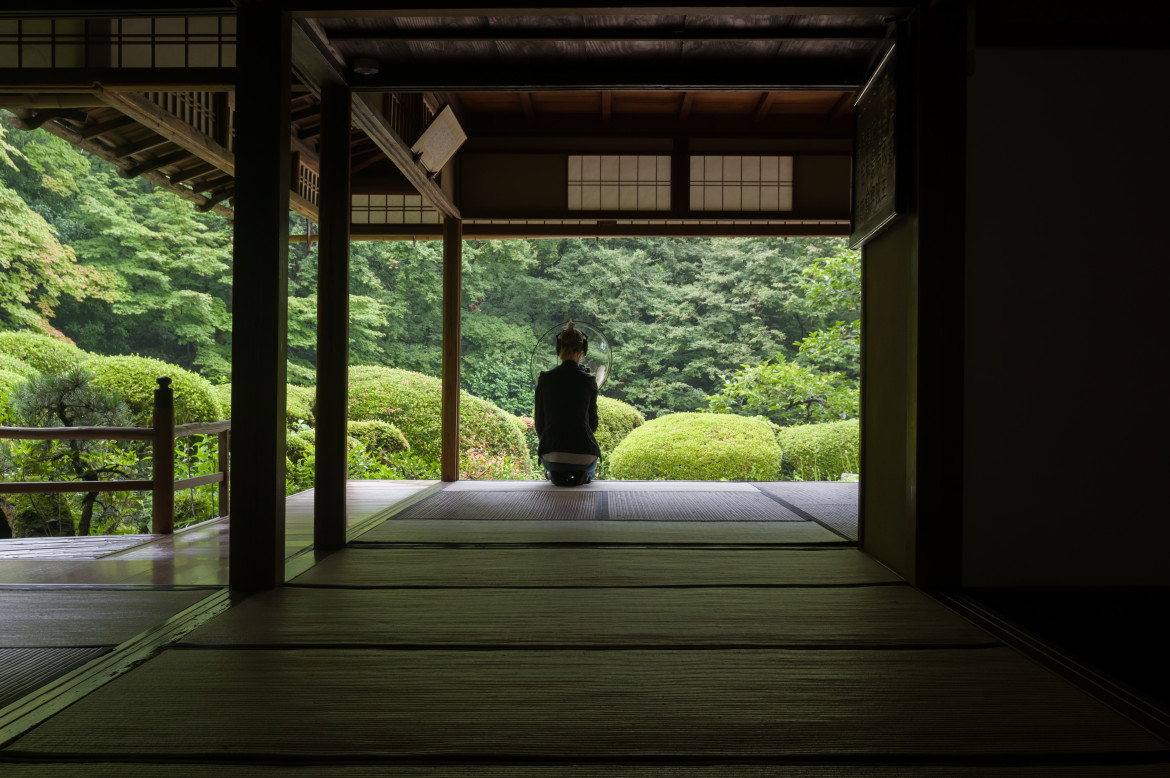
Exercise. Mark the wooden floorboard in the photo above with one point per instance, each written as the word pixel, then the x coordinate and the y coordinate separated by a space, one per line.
pixel 551 567
pixel 597 532
pixel 763 703
pixel 85 617
pixel 882 616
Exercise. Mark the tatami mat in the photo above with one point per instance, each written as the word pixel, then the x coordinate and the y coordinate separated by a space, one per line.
pixel 370 703
pixel 851 616
pixel 509 505
pixel 24 670
pixel 696 506
pixel 89 547
pixel 457 567
pixel 657 532
pixel 86 617
pixel 600 486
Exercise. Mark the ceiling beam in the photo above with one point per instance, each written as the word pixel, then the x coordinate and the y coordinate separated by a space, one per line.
pixel 116 123
pixel 688 102
pixel 482 75
pixel 606 105
pixel 154 164
pixel 363 232
pixel 379 9
pixel 764 105
pixel 607 34
pixel 41 117
pixel 525 105
pixel 162 122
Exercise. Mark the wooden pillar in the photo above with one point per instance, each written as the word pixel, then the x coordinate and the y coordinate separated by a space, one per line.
pixel 452 338
pixel 329 507
pixel 259 295
pixel 162 470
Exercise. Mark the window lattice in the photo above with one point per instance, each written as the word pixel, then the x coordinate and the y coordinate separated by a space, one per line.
pixel 741 183
pixel 619 183
pixel 392 209
pixel 161 42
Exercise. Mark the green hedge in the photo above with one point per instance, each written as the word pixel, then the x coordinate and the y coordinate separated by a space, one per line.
pixel 820 452
pixel 615 420
pixel 8 382
pixel 43 353
pixel 697 447
pixel 223 395
pixel 412 402
pixel 298 402
pixel 133 377
pixel 11 364
pixel 378 436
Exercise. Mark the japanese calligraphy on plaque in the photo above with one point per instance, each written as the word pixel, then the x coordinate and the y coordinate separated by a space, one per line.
pixel 876 199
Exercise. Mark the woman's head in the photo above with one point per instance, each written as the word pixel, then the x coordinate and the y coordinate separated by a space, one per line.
pixel 571 343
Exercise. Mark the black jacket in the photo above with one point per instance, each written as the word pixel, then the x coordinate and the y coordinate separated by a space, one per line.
pixel 566 411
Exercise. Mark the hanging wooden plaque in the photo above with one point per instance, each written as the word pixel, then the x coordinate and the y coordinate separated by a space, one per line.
pixel 879 184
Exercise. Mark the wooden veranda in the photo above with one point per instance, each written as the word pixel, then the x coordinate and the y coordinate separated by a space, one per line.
pixel 512 628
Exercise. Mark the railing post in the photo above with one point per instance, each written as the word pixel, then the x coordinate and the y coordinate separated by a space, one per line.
pixel 162 472
pixel 223 454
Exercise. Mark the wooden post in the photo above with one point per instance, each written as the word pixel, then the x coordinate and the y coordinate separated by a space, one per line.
pixel 452 337
pixel 162 470
pixel 329 505
pixel 223 455
pixel 259 294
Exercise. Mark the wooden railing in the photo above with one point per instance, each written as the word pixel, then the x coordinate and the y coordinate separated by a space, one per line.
pixel 162 436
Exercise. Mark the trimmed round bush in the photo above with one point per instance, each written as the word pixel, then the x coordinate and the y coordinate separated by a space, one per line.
pixel 615 420
pixel 697 447
pixel 820 452
pixel 8 382
pixel 412 403
pixel 378 436
pixel 43 353
pixel 298 403
pixel 11 364
pixel 223 395
pixel 134 378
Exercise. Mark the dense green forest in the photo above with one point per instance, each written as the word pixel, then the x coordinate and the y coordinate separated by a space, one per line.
pixel 119 267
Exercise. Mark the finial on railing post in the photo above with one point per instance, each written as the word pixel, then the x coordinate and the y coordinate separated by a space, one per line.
pixel 162 473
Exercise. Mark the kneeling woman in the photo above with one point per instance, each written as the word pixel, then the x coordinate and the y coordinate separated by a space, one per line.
pixel 566 414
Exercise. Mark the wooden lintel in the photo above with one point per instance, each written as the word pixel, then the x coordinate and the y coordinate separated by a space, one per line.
pixel 298 204
pixel 631 34
pixel 378 129
pixel 843 104
pixel 381 232
pixel 120 79
pixel 688 102
pixel 172 128
pixel 154 164
pixel 526 105
pixel 44 101
pixel 606 105
pixel 764 105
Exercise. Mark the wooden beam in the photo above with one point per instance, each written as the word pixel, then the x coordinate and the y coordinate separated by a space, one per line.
pixel 362 232
pixel 192 172
pixel 259 297
pixel 606 105
pixel 160 121
pixel 764 105
pixel 146 166
pixel 688 102
pixel 216 197
pixel 43 101
pixel 843 104
pixel 525 105
pixel 329 503
pixel 452 321
pixel 378 129
pixel 119 79
pixel 116 123
pixel 153 142
pixel 39 118
pixel 631 34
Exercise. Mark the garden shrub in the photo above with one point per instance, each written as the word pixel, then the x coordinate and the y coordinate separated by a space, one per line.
pixel 697 447
pixel 8 382
pixel 378 436
pixel 43 353
pixel 412 403
pixel 44 515
pixel 134 378
pixel 223 395
pixel 820 452
pixel 298 403
pixel 11 364
pixel 615 420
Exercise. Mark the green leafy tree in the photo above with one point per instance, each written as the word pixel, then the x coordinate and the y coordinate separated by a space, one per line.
pixel 832 286
pixel 786 394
